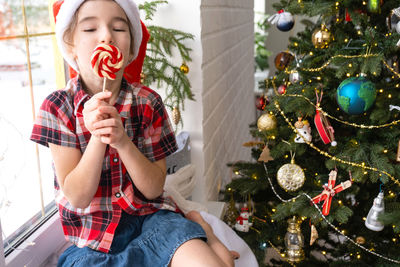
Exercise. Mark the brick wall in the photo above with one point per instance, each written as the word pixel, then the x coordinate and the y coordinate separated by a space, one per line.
pixel 227 39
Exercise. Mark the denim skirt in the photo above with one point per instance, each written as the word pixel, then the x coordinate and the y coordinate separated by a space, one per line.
pixel 139 241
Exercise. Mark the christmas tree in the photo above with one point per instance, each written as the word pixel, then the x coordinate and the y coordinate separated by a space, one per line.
pixel 324 184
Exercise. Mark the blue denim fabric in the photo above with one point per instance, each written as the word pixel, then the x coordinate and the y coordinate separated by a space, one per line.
pixel 139 241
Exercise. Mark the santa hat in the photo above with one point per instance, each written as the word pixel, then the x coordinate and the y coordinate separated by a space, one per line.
pixel 63 13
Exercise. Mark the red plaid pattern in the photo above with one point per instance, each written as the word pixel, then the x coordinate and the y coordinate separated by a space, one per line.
pixel 146 122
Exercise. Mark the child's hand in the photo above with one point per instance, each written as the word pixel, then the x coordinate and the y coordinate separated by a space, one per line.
pixel 90 112
pixel 111 130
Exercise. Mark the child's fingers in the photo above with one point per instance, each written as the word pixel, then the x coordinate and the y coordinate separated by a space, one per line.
pixel 110 110
pixel 97 100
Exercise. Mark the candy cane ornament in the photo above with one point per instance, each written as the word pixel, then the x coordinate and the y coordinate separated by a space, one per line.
pixel 106 61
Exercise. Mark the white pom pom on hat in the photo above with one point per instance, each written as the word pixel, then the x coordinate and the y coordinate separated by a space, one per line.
pixel 67 11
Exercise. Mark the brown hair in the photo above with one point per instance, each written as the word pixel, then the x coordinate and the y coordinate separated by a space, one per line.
pixel 68 34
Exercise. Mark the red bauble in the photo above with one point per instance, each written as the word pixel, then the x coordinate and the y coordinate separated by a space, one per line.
pixel 282 89
pixel 261 102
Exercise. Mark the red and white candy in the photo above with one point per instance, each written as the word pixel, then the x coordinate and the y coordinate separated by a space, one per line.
pixel 106 61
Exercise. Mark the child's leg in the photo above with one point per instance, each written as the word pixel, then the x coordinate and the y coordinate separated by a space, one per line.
pixel 212 240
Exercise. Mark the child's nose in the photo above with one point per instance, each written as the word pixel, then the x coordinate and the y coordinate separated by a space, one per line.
pixel 106 37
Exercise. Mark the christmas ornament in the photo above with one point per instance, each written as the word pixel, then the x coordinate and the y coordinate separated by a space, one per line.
pixel 314 234
pixel 322 124
pixel 283 60
pixel 304 131
pixel 231 213
pixel 360 240
pixel 252 143
pixel 265 156
pixel 176 115
pixel 324 128
pixel 398 152
pixel 377 208
pixel 262 102
pixel 282 89
pixel 184 68
pixel 393 20
pixel 290 176
pixel 294 76
pixel 284 20
pixel 294 241
pixel 321 37
pixel 266 122
pixel 329 191
pixel 374 6
pixel 242 221
pixel 142 77
pixel 355 95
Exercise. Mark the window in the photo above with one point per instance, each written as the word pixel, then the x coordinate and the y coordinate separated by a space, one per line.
pixel 29 65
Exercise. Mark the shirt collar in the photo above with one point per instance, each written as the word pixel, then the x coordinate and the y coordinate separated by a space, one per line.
pixel 123 103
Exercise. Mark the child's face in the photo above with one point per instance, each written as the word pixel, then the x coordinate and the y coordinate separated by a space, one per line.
pixel 99 21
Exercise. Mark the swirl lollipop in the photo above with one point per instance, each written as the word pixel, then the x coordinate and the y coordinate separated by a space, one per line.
pixel 106 61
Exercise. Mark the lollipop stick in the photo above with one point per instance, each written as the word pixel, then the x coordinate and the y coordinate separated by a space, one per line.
pixel 104 84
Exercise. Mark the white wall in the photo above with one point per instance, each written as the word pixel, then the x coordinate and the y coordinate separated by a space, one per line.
pixel 227 36
pixel 221 75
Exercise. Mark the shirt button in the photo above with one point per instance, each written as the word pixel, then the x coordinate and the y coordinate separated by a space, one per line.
pixel 115 160
pixel 118 195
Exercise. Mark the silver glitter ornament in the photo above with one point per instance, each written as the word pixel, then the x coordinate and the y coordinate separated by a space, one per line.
pixel 377 208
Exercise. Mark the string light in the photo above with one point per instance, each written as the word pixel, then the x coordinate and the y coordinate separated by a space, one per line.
pixel 326 154
pixel 371 251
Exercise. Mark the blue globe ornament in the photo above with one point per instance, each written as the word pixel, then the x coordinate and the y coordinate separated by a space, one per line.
pixel 356 95
pixel 285 22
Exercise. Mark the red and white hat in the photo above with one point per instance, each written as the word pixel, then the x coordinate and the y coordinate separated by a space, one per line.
pixel 64 11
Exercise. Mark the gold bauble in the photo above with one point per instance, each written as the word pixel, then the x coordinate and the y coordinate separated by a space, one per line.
pixel 360 240
pixel 176 115
pixel 266 122
pixel 321 37
pixel 184 68
pixel 290 176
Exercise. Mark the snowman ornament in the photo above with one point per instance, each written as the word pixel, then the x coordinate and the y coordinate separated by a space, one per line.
pixel 303 131
pixel 242 222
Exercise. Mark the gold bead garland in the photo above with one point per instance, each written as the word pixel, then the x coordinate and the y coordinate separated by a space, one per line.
pixel 326 154
pixel 326 64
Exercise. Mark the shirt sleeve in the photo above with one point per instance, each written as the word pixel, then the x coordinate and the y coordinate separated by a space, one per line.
pixel 55 122
pixel 159 138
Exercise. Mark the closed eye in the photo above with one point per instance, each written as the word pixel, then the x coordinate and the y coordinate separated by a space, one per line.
pixel 120 30
pixel 89 30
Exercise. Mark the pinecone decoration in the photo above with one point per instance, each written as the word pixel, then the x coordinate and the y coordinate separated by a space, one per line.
pixel 176 115
pixel 231 213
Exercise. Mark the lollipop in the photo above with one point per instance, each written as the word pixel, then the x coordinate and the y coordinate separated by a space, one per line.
pixel 106 61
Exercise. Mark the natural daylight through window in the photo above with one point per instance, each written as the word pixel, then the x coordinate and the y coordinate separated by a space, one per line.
pixel 28 65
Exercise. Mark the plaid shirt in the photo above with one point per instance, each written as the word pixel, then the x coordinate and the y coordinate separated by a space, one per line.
pixel 60 121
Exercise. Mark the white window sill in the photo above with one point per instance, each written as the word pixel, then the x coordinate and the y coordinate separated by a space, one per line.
pixel 39 246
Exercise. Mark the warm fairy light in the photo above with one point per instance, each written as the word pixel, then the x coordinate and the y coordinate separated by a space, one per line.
pixel 273 137
pixel 359 32
pixel 346 40
pixel 394 239
pixel 337 109
pixel 350 65
pixel 318 78
pixel 397 85
pixel 283 255
pixel 385 151
pixel 343 232
pixel 237 172
pixel 337 3
pixel 394 64
pixel 272 220
pixel 303 218
pixel 340 202
pixel 273 210
pixel 311 53
pixel 363 164
pixel 364 218
pixel 365 172
pixel 392 194
pixel 394 226
pixel 380 90
pixel 310 81
pixel 303 90
pixel 323 252
pixel 364 3
pixel 374 73
pixel 358 256
pixel 286 156
pixel 229 189
pixel 389 95
pixel 296 44
pixel 348 74
pixel 316 174
pixel 254 176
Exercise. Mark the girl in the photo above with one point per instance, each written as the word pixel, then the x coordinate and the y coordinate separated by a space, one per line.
pixel 109 150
